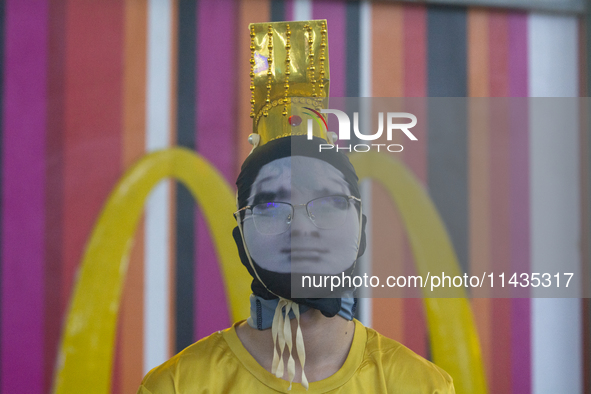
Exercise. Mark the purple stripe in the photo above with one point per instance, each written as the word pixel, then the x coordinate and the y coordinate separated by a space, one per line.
pixel 216 131
pixel 289 9
pixel 23 171
pixel 518 55
pixel 335 14
pixel 520 234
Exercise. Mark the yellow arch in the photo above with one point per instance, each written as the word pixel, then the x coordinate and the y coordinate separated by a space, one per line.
pixel 86 352
pixel 87 345
pixel 454 340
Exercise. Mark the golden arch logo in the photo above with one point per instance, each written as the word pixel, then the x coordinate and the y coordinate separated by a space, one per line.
pixel 87 345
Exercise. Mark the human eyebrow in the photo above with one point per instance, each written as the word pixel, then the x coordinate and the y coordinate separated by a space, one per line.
pixel 262 197
pixel 330 192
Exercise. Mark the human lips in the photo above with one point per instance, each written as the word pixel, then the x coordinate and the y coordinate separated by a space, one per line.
pixel 304 253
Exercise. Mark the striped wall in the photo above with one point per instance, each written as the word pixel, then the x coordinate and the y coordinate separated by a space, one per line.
pixel 90 87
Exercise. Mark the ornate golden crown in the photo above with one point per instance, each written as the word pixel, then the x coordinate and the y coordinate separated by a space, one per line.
pixel 289 78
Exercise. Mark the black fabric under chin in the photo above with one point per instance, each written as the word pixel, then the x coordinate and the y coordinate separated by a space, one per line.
pixel 280 283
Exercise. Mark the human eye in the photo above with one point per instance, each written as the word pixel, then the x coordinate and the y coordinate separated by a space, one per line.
pixel 328 204
pixel 264 197
pixel 328 212
pixel 336 202
pixel 266 208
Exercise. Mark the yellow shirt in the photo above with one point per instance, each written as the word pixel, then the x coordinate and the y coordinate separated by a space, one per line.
pixel 221 364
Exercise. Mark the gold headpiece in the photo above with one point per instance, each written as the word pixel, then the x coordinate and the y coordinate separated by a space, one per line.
pixel 289 78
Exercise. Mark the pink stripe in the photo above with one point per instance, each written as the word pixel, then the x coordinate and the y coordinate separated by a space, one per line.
pixel 518 55
pixel 501 378
pixel 335 14
pixel 519 156
pixel 216 130
pixel 23 171
pixel 289 10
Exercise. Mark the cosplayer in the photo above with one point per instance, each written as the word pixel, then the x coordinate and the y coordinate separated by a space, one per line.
pixel 299 212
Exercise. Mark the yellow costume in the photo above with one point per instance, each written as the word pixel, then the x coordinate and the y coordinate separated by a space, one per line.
pixel 220 364
pixel 289 76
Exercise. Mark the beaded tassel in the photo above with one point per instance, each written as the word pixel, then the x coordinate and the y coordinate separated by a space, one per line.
pixel 287 68
pixel 252 63
pixel 322 57
pixel 269 70
pixel 311 67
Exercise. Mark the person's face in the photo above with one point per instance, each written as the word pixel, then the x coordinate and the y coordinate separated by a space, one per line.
pixel 303 248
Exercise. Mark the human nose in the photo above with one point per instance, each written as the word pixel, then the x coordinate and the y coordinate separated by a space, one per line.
pixel 303 224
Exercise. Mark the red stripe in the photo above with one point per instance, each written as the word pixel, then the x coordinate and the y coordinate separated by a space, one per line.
pixel 54 179
pixel 116 377
pixel 499 54
pixel 92 141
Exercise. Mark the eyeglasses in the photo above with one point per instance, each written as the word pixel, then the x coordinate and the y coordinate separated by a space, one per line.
pixel 273 218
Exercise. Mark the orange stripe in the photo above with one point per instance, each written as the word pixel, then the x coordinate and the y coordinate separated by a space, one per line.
pixel 387 50
pixel 387 259
pixel 415 50
pixel 134 81
pixel 415 156
pixel 478 167
pixel 250 11
pixel 477 52
pixel 387 230
pixel 130 351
